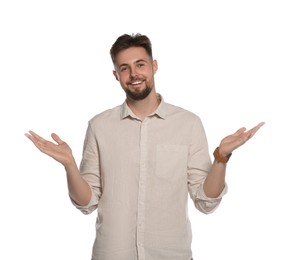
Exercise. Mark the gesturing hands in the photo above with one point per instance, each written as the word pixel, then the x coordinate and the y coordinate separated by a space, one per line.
pixel 60 151
pixel 233 141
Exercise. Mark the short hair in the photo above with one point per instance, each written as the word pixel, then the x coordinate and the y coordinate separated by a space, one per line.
pixel 126 41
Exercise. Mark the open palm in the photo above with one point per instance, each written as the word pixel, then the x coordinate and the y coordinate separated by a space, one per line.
pixel 60 151
pixel 233 141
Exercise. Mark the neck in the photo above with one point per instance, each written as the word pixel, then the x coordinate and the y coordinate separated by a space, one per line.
pixel 145 107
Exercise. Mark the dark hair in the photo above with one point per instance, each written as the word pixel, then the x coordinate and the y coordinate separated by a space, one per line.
pixel 126 41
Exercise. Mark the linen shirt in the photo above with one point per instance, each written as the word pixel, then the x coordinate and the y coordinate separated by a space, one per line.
pixel 141 173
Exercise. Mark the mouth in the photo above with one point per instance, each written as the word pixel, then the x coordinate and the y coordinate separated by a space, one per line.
pixel 136 83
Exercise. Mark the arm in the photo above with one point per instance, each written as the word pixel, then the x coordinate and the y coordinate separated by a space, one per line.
pixel 215 181
pixel 79 189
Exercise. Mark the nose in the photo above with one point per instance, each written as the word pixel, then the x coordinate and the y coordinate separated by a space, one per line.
pixel 133 72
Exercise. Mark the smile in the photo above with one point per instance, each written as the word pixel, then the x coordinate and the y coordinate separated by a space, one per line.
pixel 136 83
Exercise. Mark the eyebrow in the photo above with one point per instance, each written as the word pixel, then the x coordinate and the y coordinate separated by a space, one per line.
pixel 141 60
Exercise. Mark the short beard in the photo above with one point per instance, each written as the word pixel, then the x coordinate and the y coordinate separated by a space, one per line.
pixel 139 95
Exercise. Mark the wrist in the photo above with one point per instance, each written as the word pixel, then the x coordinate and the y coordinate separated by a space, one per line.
pixel 69 163
pixel 220 157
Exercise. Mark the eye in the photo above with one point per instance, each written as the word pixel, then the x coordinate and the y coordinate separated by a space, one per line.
pixel 140 65
pixel 123 69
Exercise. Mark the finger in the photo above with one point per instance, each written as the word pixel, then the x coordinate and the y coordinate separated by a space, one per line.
pixel 32 136
pixel 37 140
pixel 252 131
pixel 57 138
pixel 35 136
pixel 239 131
pixel 260 124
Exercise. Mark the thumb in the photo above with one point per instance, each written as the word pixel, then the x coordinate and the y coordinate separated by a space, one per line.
pixel 57 138
pixel 239 131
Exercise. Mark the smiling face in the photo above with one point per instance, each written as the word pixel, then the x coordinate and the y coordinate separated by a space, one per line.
pixel 135 71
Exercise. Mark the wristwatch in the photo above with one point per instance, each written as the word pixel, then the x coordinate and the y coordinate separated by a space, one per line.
pixel 219 158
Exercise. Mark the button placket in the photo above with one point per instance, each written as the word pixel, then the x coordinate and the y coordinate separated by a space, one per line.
pixel 142 190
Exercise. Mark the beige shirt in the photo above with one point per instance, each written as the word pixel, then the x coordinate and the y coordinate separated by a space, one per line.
pixel 141 173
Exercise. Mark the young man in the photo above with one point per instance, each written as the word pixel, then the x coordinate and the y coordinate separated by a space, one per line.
pixel 140 162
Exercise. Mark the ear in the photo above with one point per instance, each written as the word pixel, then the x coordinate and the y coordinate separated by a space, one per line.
pixel 155 66
pixel 115 75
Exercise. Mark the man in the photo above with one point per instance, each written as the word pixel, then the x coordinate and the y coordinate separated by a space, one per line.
pixel 140 161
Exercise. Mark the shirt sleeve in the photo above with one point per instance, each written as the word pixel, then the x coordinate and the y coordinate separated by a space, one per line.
pixel 199 165
pixel 90 171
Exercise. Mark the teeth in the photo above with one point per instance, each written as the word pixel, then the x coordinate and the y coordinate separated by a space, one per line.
pixel 137 82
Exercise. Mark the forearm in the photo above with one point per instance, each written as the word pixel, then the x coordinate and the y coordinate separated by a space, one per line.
pixel 79 189
pixel 215 181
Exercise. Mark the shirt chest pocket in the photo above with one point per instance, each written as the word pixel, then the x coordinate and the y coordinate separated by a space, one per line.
pixel 171 161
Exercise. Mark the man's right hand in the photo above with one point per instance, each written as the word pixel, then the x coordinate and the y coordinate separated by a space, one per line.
pixel 60 151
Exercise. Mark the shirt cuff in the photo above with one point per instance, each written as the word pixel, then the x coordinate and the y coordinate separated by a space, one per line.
pixel 208 205
pixel 89 208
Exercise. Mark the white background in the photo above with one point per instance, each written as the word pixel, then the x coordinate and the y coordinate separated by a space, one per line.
pixel 223 60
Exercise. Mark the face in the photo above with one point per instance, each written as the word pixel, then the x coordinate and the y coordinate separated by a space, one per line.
pixel 135 71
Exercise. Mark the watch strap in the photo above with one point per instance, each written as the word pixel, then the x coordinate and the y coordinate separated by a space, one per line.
pixel 220 158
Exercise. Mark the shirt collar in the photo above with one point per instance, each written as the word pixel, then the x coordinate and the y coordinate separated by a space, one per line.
pixel 160 111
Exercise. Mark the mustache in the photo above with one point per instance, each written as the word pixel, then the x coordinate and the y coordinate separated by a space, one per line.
pixel 132 80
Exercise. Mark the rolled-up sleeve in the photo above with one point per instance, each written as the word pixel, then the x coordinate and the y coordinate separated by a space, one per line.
pixel 205 204
pixel 199 165
pixel 90 171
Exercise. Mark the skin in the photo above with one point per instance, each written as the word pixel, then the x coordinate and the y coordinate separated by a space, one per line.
pixel 135 71
pixel 132 66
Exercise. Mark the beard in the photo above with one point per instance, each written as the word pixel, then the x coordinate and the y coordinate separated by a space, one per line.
pixel 140 95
